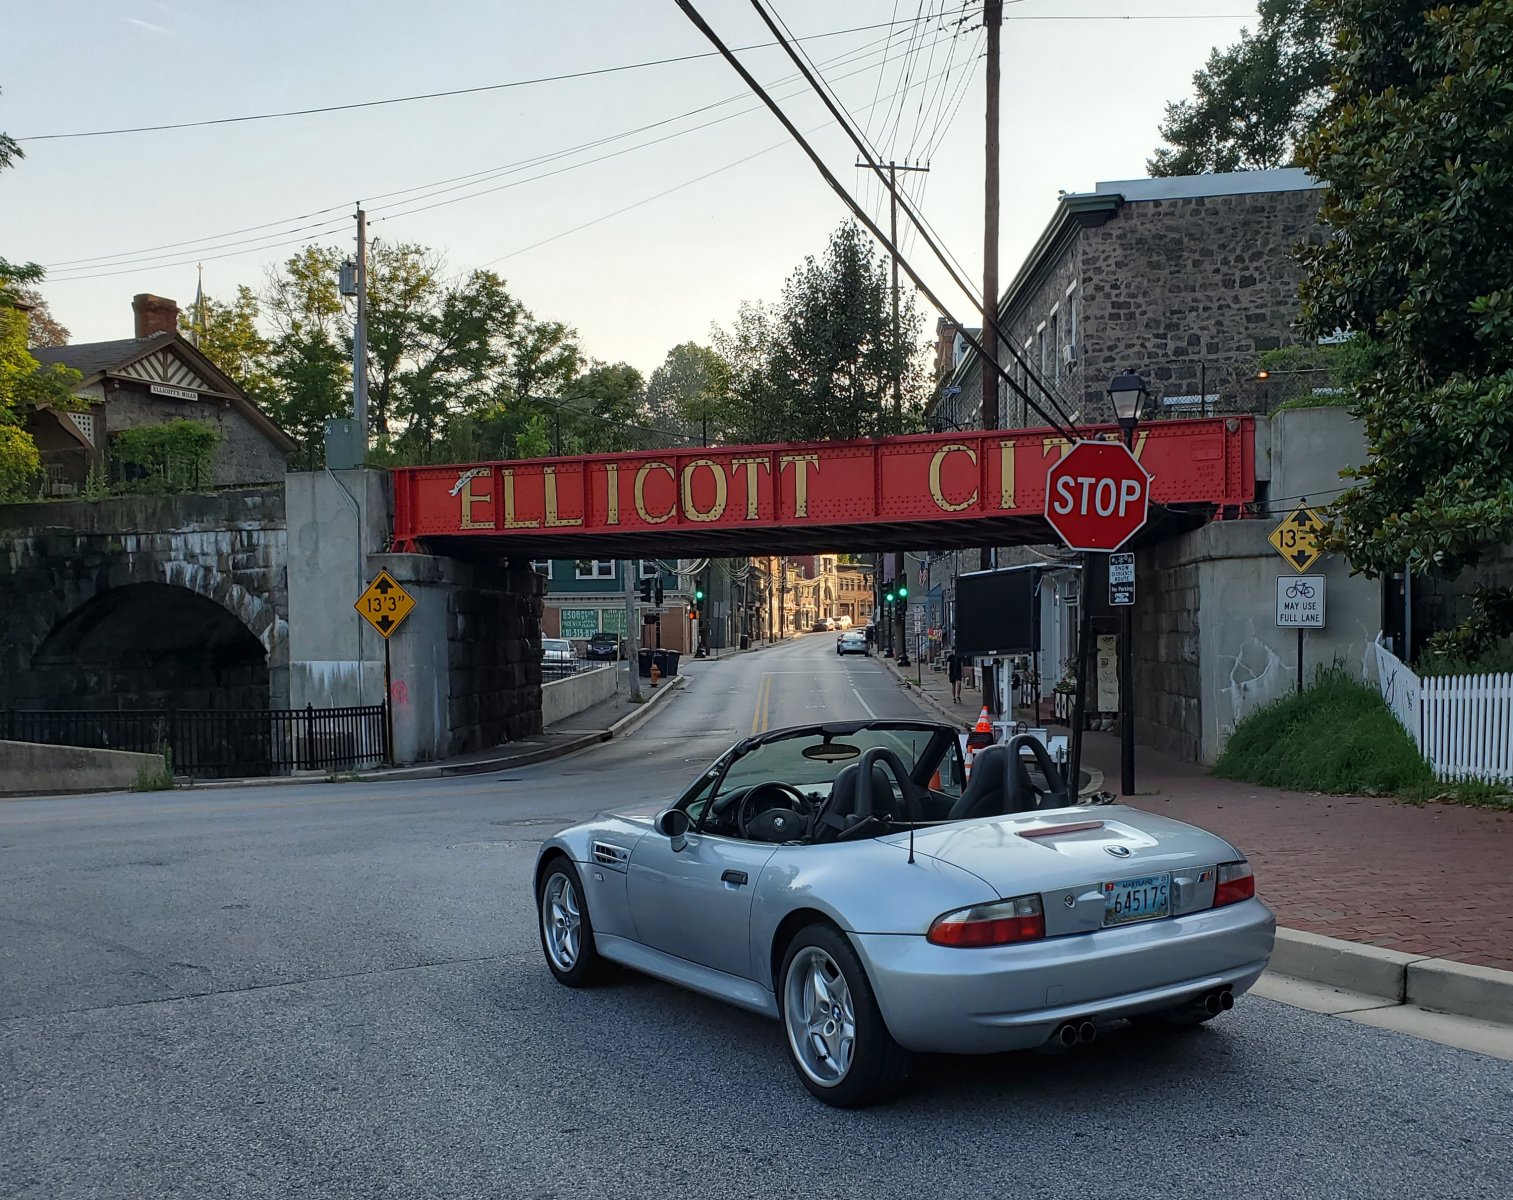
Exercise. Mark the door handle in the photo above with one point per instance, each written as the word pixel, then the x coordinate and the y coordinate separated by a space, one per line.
pixel 736 878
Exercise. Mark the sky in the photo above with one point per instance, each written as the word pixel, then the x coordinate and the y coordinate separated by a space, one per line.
pixel 640 250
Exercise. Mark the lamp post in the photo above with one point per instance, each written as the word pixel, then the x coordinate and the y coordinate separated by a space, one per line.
pixel 888 620
pixel 1127 393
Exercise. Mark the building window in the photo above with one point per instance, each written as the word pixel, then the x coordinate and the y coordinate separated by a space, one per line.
pixel 1072 332
pixel 1042 352
pixel 650 568
pixel 596 568
pixel 1053 337
pixel 542 566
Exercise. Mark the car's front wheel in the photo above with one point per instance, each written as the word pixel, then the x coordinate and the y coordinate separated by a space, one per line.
pixel 567 936
pixel 837 1039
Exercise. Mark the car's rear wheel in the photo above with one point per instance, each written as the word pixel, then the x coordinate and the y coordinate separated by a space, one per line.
pixel 837 1039
pixel 567 935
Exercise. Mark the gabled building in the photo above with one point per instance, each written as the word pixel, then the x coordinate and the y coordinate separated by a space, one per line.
pixel 156 375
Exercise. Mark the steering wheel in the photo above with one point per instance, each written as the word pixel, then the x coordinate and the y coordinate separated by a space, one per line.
pixel 771 823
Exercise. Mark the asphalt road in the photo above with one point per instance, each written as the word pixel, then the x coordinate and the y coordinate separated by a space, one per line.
pixel 337 991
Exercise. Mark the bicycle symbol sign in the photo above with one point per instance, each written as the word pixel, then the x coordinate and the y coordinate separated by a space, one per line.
pixel 1300 602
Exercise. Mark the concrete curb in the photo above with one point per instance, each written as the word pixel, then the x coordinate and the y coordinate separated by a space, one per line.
pixel 1436 984
pixel 630 720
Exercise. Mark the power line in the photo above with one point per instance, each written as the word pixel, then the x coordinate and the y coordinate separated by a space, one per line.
pixel 848 125
pixel 486 87
pixel 835 185
pixel 213 242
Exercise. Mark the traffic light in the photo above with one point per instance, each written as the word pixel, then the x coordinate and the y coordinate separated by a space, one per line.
pixel 903 591
pixel 646 591
pixel 693 614
pixel 698 594
pixel 659 593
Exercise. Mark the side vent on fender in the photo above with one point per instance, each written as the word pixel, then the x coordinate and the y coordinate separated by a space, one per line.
pixel 606 854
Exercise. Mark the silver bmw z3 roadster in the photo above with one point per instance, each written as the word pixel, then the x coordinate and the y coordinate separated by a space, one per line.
pixel 852 881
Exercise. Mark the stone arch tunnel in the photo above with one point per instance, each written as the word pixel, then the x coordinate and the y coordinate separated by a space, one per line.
pixel 145 602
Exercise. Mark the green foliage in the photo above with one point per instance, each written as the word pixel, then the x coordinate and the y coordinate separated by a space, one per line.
pixel 820 364
pixel 1254 101
pixel 1482 643
pixel 156 779
pixel 1336 736
pixel 689 395
pixel 1417 146
pixel 176 456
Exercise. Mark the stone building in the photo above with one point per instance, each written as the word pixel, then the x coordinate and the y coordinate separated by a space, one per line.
pixel 1185 280
pixel 156 375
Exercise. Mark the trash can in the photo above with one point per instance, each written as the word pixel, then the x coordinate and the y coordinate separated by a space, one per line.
pixel 745 642
pixel 667 662
pixel 643 665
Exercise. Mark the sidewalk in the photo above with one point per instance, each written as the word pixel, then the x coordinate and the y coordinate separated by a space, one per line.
pixel 1434 880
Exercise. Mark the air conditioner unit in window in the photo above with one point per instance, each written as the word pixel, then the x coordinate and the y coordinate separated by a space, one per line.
pixel 1069 354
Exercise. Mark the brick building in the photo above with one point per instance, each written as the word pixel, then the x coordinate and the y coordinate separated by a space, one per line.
pixel 154 376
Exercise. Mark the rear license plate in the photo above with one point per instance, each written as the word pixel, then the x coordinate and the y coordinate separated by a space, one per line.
pixel 1144 899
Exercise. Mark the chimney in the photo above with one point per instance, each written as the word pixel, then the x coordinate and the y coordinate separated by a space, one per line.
pixel 154 314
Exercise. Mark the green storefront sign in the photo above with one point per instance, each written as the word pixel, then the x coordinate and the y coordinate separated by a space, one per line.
pixel 583 623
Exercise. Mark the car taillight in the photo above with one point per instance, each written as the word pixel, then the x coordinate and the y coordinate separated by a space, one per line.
pixel 997 924
pixel 1236 882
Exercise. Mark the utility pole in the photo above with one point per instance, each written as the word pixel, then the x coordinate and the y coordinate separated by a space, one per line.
pixel 632 630
pixel 992 17
pixel 898 365
pixel 360 334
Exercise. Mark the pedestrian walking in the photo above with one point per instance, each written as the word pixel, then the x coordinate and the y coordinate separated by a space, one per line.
pixel 953 673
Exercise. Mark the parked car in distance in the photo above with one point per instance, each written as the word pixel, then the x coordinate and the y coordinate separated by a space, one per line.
pixel 556 656
pixel 605 646
pixel 824 625
pixel 852 642
pixel 843 622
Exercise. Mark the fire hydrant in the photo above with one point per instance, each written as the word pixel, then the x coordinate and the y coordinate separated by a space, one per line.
pixel 656 674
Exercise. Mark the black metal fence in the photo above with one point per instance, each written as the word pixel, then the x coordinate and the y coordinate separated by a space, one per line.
pixel 210 743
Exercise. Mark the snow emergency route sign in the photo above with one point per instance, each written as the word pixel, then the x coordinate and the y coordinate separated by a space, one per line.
pixel 1296 539
pixel 385 605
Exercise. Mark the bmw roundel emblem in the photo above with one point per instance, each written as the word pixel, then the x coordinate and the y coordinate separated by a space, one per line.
pixel 1069 900
pixel 1118 851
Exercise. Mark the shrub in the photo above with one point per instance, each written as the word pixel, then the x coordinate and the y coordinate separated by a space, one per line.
pixel 175 456
pixel 1335 736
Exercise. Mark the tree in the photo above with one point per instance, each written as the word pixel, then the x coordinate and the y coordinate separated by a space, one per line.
pixel 24 384
pixel 688 396
pixel 229 336
pixel 822 363
pixel 1417 147
pixel 1255 100
pixel 606 408
pixel 45 329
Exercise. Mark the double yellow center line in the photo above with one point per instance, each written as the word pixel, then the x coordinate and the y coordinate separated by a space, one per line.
pixel 763 715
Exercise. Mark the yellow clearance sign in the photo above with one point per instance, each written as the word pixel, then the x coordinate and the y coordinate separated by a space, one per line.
pixel 1296 539
pixel 385 605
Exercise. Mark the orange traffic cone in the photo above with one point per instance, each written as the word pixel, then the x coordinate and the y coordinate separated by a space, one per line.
pixel 981 735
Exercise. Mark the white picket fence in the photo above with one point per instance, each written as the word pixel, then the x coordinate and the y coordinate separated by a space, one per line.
pixel 1463 724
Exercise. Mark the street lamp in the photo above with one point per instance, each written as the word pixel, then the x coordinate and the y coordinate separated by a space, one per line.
pixel 1127 393
pixel 888 620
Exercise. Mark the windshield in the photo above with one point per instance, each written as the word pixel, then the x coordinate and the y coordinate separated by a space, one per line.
pixel 556 645
pixel 784 760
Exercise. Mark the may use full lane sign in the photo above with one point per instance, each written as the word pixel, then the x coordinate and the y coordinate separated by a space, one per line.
pixel 1300 602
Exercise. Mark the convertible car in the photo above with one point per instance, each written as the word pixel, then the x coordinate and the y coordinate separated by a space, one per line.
pixel 851 881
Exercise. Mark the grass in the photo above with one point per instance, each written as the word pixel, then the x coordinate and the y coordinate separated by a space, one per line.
pixel 1336 736
pixel 155 779
pixel 1339 737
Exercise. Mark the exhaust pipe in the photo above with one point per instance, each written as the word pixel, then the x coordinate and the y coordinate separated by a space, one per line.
pixel 1217 1001
pixel 1069 1034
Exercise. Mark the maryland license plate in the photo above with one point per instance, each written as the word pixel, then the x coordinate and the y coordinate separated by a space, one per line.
pixel 1144 899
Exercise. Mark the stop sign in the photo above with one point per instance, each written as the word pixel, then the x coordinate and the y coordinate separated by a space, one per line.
pixel 1097 497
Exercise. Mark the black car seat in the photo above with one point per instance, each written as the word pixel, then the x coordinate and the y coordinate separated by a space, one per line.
pixel 1001 782
pixel 840 812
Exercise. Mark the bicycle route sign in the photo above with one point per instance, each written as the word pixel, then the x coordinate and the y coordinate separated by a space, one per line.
pixel 1300 602
pixel 1296 539
pixel 384 605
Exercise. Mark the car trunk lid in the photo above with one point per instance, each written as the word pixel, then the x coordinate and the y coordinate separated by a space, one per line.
pixel 1078 859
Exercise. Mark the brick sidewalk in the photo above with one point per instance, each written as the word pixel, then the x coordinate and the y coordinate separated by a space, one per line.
pixel 1435 880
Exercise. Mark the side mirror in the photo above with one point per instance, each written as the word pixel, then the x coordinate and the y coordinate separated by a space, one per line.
pixel 673 824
